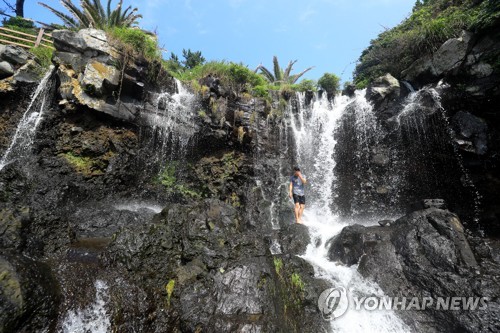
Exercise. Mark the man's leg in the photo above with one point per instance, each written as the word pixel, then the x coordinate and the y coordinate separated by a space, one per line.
pixel 301 211
pixel 297 212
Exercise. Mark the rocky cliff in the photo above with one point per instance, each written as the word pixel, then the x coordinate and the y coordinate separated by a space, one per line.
pixel 105 193
pixel 138 205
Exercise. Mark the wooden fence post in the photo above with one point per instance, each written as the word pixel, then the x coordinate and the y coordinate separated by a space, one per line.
pixel 39 37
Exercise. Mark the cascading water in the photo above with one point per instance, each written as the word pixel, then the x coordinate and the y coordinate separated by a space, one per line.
pixel 26 129
pixel 424 130
pixel 172 123
pixel 93 318
pixel 314 128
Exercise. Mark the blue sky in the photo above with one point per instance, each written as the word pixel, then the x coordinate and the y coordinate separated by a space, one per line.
pixel 327 34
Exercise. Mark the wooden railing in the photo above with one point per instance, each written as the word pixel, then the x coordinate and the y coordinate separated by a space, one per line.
pixel 23 39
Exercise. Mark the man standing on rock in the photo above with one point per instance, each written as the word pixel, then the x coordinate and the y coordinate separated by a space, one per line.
pixel 297 182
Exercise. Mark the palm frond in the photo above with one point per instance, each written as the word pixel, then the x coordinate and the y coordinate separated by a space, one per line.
pixel 288 70
pixel 108 10
pixel 100 9
pixel 76 12
pixel 278 74
pixel 295 77
pixel 67 20
pixel 267 73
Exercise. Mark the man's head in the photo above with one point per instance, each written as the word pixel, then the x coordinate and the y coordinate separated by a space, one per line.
pixel 296 170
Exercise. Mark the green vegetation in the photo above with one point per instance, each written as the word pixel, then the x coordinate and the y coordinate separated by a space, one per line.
pixel 93 14
pixel 330 83
pixel 236 77
pixel 170 289
pixel 87 165
pixel 306 85
pixel 297 282
pixel 138 40
pixel 43 55
pixel 431 23
pixel 18 22
pixel 289 288
pixel 280 76
pixel 168 179
pixel 191 59
pixel 278 265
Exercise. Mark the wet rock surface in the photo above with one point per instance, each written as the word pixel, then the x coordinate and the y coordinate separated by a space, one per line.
pixel 425 254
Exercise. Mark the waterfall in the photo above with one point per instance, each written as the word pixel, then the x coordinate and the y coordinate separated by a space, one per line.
pixel 314 131
pixel 424 130
pixel 172 124
pixel 24 135
pixel 93 318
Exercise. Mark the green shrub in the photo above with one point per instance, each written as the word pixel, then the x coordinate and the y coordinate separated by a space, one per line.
pixel 139 41
pixel 238 77
pixel 43 55
pixel 330 83
pixel 19 22
pixel 306 85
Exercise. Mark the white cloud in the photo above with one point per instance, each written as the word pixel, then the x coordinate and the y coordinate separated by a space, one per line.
pixel 307 14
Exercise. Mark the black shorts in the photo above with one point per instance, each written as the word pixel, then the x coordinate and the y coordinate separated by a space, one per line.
pixel 301 199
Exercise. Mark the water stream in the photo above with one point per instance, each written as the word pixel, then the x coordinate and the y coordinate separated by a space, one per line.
pixel 314 127
pixel 94 318
pixel 21 142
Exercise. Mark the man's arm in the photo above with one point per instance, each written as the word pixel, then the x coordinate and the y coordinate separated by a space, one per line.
pixel 291 190
pixel 302 179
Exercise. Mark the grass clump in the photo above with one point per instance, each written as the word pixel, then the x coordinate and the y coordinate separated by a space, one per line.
pixel 237 77
pixel 138 41
pixel 43 55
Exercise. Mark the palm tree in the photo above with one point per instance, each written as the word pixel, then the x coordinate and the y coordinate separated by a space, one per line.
pixel 93 14
pixel 281 75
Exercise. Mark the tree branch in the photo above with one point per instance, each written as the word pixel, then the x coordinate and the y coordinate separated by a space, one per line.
pixel 9 6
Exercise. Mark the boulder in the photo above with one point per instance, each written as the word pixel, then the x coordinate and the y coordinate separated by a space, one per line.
pixel 294 239
pixel 422 252
pixel 98 78
pixel 383 88
pixel 90 42
pixel 472 132
pixel 15 55
pixel 446 60
pixel 29 73
pixel 347 247
pixel 6 70
pixel 28 301
pixel 11 224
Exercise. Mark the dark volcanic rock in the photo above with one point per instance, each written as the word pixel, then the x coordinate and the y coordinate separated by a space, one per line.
pixel 347 247
pixel 424 254
pixel 28 295
pixel 295 238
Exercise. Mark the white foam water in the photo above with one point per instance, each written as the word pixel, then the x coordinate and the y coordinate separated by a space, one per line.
pixel 93 318
pixel 137 206
pixel 314 131
pixel 26 129
pixel 173 121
